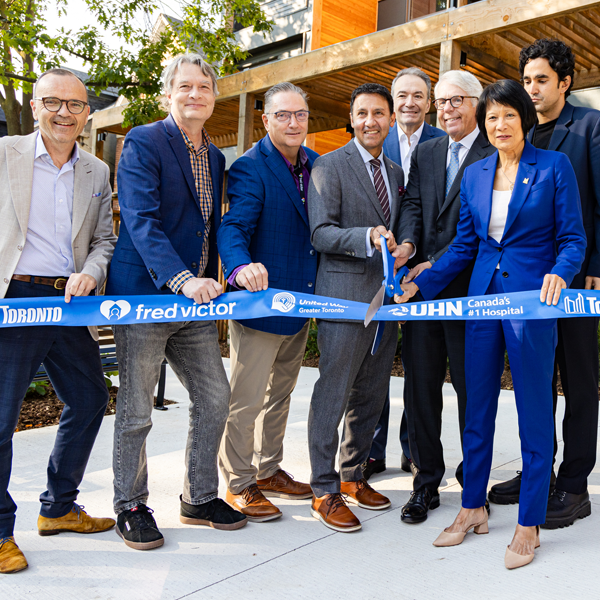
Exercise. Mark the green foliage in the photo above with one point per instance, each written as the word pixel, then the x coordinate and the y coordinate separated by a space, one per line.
pixel 312 348
pixel 135 67
pixel 107 378
pixel 40 387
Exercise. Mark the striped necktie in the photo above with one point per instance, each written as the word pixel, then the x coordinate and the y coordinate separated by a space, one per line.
pixel 380 188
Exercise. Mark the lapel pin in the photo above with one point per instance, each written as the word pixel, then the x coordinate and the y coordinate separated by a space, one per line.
pixel 526 180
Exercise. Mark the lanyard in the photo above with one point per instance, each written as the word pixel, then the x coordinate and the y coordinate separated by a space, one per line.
pixel 300 175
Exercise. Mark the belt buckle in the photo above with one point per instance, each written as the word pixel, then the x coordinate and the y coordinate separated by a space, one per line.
pixel 60 283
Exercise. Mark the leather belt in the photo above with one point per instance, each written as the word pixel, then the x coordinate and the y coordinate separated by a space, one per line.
pixel 58 283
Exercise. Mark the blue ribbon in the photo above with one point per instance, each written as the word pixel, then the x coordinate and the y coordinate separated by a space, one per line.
pixel 118 310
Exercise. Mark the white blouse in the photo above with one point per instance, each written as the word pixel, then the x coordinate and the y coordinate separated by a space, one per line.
pixel 500 202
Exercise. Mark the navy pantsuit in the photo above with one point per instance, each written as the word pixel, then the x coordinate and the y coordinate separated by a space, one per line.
pixel 543 234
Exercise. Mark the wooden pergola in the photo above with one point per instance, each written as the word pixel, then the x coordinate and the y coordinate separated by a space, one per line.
pixel 484 38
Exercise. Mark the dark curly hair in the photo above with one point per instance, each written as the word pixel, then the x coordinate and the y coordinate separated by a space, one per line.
pixel 557 53
pixel 373 88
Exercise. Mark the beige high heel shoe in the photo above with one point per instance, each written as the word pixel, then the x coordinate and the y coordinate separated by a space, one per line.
pixel 454 539
pixel 512 560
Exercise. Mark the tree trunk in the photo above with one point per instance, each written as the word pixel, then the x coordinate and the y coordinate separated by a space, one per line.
pixel 10 104
pixel 26 112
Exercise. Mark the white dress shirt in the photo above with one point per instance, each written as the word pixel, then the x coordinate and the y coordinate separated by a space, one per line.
pixel 466 144
pixel 406 149
pixel 47 251
pixel 498 216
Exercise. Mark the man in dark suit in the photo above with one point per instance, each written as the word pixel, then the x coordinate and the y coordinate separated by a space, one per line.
pixel 430 213
pixel 353 206
pixel 411 90
pixel 547 71
pixel 265 239
pixel 170 183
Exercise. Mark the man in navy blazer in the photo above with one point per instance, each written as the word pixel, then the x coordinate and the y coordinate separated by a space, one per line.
pixel 170 180
pixel 411 90
pixel 265 240
pixel 547 70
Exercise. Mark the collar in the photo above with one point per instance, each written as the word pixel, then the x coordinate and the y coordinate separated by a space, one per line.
pixel 205 141
pixel 365 154
pixel 468 140
pixel 40 150
pixel 415 137
pixel 302 158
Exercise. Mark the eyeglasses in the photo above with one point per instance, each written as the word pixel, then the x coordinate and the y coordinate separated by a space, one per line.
pixel 455 101
pixel 284 116
pixel 75 107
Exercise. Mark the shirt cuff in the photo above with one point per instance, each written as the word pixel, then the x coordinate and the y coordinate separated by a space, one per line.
pixel 370 248
pixel 231 278
pixel 414 248
pixel 178 281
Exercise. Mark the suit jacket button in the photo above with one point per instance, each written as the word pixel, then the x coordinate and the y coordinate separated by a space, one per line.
pixel 504 274
pixel 199 233
pixel 499 249
pixel 19 248
pixel 194 265
pixel 439 230
pixel 5 280
pixel 312 252
pixel 310 284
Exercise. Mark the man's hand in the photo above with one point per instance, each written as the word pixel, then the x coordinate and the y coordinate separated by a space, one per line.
pixel 201 289
pixel 402 254
pixel 551 288
pixel 253 277
pixel 381 232
pixel 415 271
pixel 79 284
pixel 409 289
pixel 592 283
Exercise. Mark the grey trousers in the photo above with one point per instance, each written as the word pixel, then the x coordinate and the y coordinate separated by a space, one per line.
pixel 264 372
pixel 351 382
pixel 192 349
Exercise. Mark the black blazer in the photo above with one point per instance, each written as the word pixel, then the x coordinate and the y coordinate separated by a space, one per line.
pixel 426 215
pixel 577 134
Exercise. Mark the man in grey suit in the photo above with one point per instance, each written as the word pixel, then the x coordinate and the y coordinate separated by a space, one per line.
pixel 56 239
pixel 354 206
pixel 429 215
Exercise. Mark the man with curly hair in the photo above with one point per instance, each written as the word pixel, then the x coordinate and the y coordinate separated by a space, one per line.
pixel 547 69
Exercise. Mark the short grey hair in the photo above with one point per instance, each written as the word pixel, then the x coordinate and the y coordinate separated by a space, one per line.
pixel 168 75
pixel 416 72
pixel 62 73
pixel 464 80
pixel 278 88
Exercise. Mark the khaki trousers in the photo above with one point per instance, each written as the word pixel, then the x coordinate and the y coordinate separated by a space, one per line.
pixel 264 372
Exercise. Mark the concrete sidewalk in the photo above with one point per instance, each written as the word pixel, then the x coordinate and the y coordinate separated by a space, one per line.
pixel 294 557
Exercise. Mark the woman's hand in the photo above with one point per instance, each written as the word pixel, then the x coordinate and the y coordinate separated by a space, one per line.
pixel 409 289
pixel 551 288
pixel 415 271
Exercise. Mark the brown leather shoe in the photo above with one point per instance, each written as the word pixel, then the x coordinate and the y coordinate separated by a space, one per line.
pixel 11 557
pixel 253 504
pixel 282 485
pixel 77 521
pixel 363 495
pixel 332 511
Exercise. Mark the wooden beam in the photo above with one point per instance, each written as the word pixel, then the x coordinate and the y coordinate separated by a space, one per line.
pixel 587 79
pixel 245 123
pixel 449 56
pixel 498 47
pixel 491 62
pixel 320 106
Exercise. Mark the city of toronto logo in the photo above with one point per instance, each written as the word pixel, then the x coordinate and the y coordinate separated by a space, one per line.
pixel 115 310
pixel 283 302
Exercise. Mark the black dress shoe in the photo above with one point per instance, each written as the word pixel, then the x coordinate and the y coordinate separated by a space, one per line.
pixel 416 509
pixel 372 466
pixel 215 513
pixel 508 491
pixel 564 508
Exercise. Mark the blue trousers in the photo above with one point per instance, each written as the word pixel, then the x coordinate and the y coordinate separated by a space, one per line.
pixel 531 346
pixel 72 361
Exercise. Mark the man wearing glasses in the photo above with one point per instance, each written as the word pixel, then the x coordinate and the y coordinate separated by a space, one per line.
pixel 264 240
pixel 56 239
pixel 430 213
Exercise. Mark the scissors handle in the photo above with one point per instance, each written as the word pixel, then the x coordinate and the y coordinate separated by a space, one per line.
pixel 391 283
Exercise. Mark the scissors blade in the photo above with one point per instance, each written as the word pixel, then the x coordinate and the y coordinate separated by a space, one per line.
pixel 375 305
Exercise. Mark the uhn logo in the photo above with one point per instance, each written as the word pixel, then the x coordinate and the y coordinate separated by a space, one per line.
pixel 115 310
pixel 283 302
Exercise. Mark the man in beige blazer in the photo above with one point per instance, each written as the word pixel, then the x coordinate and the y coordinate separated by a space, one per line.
pixel 55 240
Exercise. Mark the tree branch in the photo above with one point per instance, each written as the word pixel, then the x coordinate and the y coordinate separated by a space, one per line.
pixel 19 77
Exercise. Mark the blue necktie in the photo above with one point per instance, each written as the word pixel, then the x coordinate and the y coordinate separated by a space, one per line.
pixel 454 165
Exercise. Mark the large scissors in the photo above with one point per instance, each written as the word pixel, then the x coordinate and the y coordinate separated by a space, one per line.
pixel 389 286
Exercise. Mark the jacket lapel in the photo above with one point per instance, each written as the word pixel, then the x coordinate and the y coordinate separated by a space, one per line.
pixel 19 162
pixel 438 155
pixel 395 183
pixel 484 197
pixel 274 160
pixel 392 145
pixel 523 182
pixel 357 165
pixel 82 192
pixel 182 154
pixel 476 153
pixel 562 127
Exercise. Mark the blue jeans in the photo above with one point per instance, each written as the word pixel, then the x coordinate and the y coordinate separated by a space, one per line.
pixel 72 360
pixel 192 349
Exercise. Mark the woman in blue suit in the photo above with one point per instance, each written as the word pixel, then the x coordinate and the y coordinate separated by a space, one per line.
pixel 521 218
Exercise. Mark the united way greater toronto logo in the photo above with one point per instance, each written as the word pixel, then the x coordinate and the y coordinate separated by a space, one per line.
pixel 115 310
pixel 283 302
